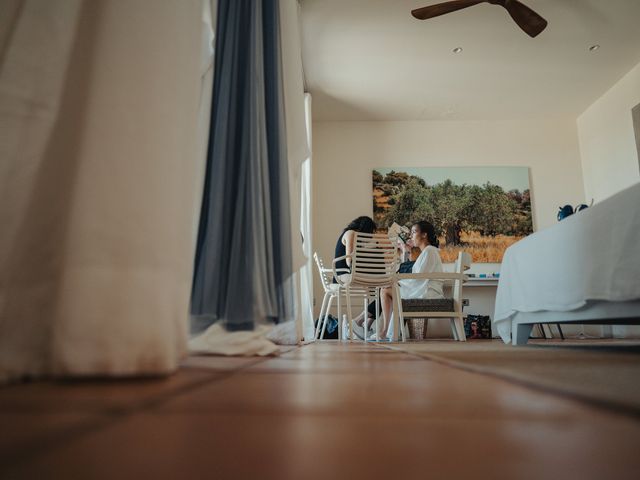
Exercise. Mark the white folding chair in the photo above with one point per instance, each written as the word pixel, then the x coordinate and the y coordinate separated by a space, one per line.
pixel 333 291
pixel 374 262
pixel 427 308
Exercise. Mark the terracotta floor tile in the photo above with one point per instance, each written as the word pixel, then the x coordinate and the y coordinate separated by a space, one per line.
pixel 220 363
pixel 327 410
pixel 94 395
pixel 340 365
pixel 306 352
pixel 336 346
pixel 434 393
pixel 318 447
pixel 334 360
pixel 348 345
pixel 25 434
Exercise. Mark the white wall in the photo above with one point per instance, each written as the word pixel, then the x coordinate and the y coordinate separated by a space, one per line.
pixel 607 142
pixel 345 153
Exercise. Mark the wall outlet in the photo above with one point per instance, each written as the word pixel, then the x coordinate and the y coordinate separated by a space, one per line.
pixel 465 302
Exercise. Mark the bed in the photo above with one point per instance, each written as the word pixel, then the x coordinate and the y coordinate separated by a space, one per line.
pixel 585 269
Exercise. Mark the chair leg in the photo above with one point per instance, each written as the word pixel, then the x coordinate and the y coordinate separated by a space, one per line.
pixel 380 332
pixel 321 316
pixel 460 329
pixel 365 314
pixel 379 313
pixel 376 320
pixel 560 331
pixel 340 320
pixel 398 317
pixel 349 315
pixel 454 331
pixel 326 316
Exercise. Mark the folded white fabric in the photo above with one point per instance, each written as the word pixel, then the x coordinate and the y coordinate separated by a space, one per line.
pixel 216 340
pixel 283 333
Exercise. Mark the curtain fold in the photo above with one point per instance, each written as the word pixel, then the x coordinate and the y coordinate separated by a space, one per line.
pixel 306 272
pixel 243 262
pixel 38 43
pixel 298 152
pixel 99 111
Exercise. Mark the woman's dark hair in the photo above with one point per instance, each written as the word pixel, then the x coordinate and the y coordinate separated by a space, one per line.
pixel 426 227
pixel 362 224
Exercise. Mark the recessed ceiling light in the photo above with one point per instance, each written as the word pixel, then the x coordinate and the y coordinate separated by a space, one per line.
pixel 593 48
pixel 457 50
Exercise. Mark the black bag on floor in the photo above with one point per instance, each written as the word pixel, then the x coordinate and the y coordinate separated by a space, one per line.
pixel 331 331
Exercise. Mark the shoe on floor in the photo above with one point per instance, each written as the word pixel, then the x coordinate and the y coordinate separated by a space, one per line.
pixel 372 337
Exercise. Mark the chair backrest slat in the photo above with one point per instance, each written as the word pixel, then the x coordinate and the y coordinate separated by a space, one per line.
pixel 325 277
pixel 375 260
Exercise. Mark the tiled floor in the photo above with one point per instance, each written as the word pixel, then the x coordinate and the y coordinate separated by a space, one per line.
pixel 326 410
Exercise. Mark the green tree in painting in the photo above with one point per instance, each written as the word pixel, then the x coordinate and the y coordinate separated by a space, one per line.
pixel 472 216
pixel 451 208
pixel 396 178
pixel 413 203
pixel 449 204
pixel 496 210
pixel 522 223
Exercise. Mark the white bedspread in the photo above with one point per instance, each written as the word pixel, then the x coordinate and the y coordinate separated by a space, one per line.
pixel 591 255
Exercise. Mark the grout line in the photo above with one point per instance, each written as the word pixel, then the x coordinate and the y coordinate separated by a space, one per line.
pixel 337 414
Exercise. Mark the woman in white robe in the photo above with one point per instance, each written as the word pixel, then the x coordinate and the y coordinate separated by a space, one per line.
pixel 422 236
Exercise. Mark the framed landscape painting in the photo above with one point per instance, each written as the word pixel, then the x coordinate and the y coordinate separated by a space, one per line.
pixel 481 210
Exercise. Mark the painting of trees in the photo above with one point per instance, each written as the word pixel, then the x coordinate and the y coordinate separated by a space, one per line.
pixel 484 215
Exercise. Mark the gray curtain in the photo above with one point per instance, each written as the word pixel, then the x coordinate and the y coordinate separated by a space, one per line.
pixel 243 262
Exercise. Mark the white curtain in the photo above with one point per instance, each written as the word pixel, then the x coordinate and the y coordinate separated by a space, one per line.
pixel 306 272
pixel 297 145
pixel 209 11
pixel 298 151
pixel 100 101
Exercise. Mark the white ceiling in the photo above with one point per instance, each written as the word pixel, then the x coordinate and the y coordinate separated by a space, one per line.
pixel 371 60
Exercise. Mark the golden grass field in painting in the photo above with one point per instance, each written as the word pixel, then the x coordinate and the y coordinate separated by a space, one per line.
pixel 482 249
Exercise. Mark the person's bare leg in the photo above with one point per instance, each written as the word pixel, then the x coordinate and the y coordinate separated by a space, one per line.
pixel 360 326
pixel 386 297
pixel 360 318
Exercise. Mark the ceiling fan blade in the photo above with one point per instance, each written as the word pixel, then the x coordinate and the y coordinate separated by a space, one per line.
pixel 442 8
pixel 527 19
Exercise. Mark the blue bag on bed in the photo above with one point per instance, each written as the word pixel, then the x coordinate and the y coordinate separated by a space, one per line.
pixel 565 212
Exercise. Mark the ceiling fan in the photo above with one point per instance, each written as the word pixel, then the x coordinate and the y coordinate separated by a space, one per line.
pixel 527 19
